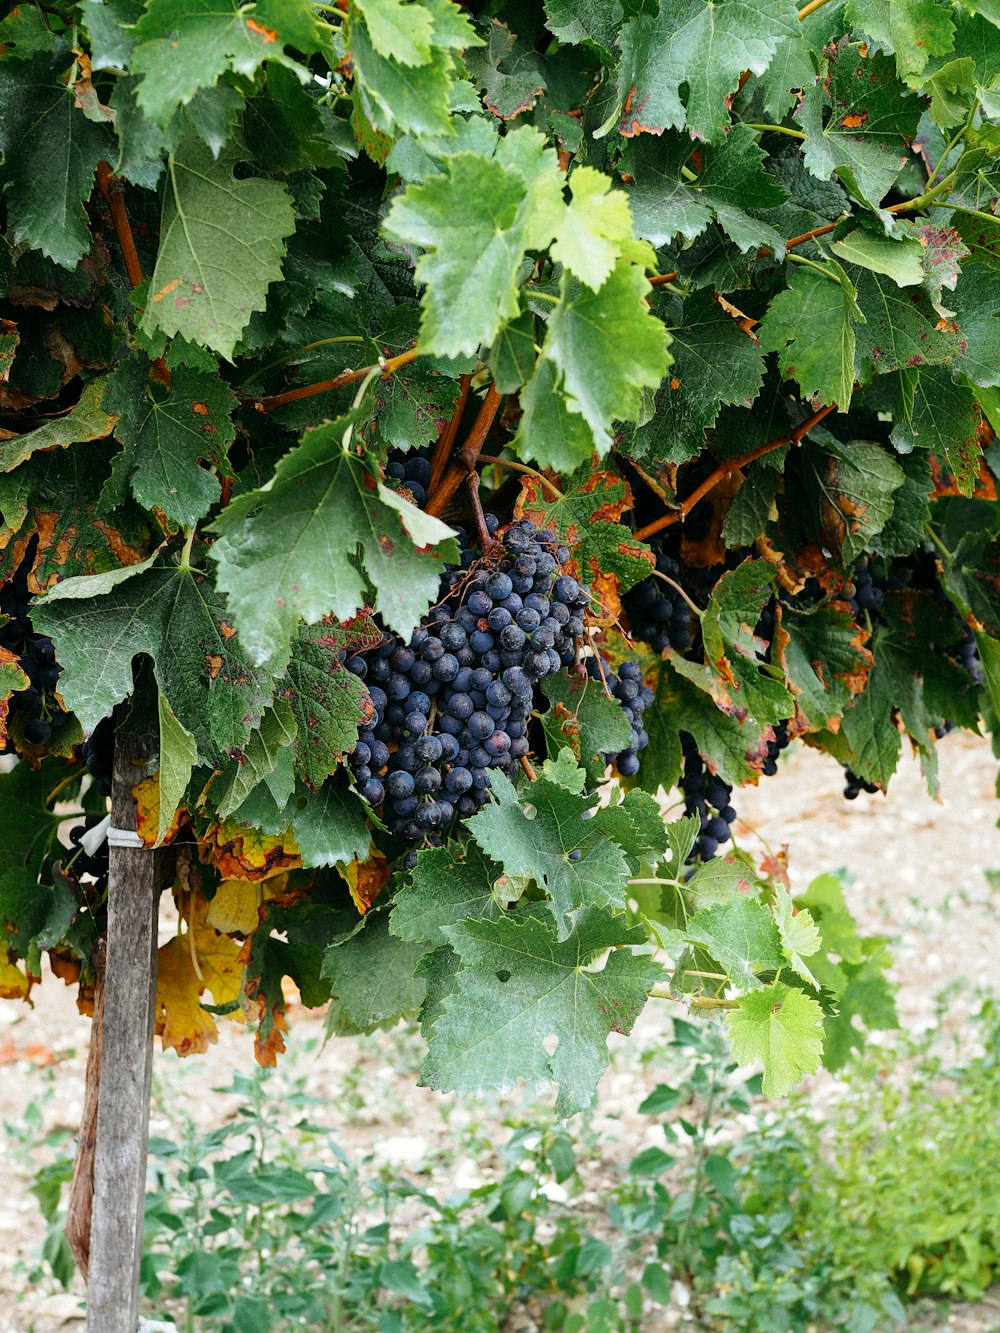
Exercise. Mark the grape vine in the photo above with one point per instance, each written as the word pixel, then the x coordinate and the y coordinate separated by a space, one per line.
pixel 463 440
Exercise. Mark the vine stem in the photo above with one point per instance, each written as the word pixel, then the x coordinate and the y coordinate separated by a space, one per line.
pixel 550 486
pixel 733 465
pixel 775 129
pixel 446 440
pixel 526 765
pixel 811 8
pixel 659 279
pixel 111 189
pixel 297 351
pixel 465 464
pixel 385 365
pixel 665 578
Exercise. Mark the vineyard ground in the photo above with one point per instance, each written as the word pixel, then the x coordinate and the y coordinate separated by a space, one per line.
pixel 914 865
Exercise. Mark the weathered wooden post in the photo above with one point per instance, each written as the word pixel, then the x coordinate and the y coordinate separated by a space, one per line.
pixel 136 877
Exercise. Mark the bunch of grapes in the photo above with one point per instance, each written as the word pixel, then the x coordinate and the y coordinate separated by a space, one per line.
pixel 707 797
pixel 40 712
pixel 866 592
pixel 99 755
pixel 413 473
pixel 635 697
pixel 854 786
pixel 657 614
pixel 454 703
pixel 774 748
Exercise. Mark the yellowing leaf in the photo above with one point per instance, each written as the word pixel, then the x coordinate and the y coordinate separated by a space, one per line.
pixel 244 853
pixel 236 906
pixel 147 813
pixel 181 1023
pixel 366 879
pixel 14 985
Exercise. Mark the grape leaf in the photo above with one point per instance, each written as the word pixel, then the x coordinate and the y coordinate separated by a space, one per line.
pixel 872 119
pixel 221 244
pixel 449 885
pixel 371 974
pixel 171 613
pixel 899 257
pixel 741 935
pixel 587 518
pixel 731 181
pixel 403 32
pixel 166 433
pixel 329 702
pixel 715 362
pixel 825 661
pixel 45 137
pixel 475 220
pixel 912 30
pixel 594 228
pixel 901 328
pixel 606 347
pixel 937 413
pixel 783 1028
pixel 297 538
pixel 520 985
pixel 594 23
pixel 266 757
pixel 410 97
pixel 800 938
pixel 32 914
pixel 866 726
pixel 87 420
pixel 549 432
pixel 509 75
pixel 976 303
pixel 700 49
pixel 183 46
pixel 328 825
pixel 860 483
pixel 532 834
pixel 811 327
pixel 413 405
pixel 178 756
pixel 584 718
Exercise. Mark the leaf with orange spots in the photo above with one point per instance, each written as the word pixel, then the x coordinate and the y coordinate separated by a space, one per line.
pixel 170 437
pixel 584 717
pixel 147 807
pixel 366 879
pixel 825 660
pixel 587 517
pixel 238 852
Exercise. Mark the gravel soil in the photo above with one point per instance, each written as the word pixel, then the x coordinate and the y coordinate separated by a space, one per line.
pixel 918 874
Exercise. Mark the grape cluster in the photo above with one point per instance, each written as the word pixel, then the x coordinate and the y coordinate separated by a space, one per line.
pixel 40 712
pixel 866 592
pixel 854 786
pixel 707 797
pixel 454 703
pixel 413 473
pixel 657 614
pixel 99 755
pixel 635 697
pixel 774 748
pixel 81 863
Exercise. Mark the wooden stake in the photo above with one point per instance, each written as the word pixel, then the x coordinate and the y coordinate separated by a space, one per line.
pixel 126 1060
pixel 79 1208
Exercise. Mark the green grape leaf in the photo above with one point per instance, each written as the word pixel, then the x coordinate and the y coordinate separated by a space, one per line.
pixel 267 753
pixel 475 220
pixel 593 23
pixel 811 327
pixel 637 824
pixel 221 244
pixel 901 329
pixel 371 974
pixel 178 756
pixel 329 825
pixel 872 118
pixel 518 986
pixel 699 49
pixel 402 32
pixel 976 303
pixel 415 98
pixel 800 937
pixel 532 834
pixel 448 885
pixel 183 46
pixel 508 74
pixel 512 356
pixel 549 432
pixel 594 229
pixel 166 434
pixel 746 518
pixel 28 828
pixel 169 612
pixel 825 661
pixel 782 1027
pixel 939 414
pixel 413 405
pixel 33 915
pixel 867 728
pixel 584 718
pixel 87 420
pixel 715 362
pixel 911 30
pixel 587 518
pixel 46 138
pixel 861 482
pixel 900 258
pixel 793 65
pixel 742 936
pixel 329 702
pixel 732 180
pixel 296 538
pixel 606 347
